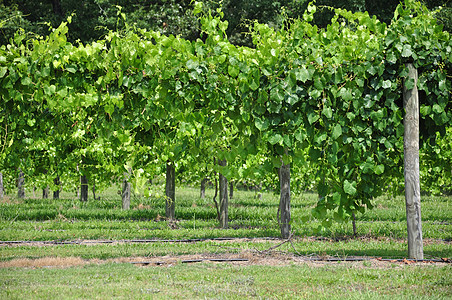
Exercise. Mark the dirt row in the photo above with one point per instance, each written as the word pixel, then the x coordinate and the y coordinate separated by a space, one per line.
pixel 245 258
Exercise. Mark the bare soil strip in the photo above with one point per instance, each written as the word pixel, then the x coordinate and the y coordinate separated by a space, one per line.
pixel 271 256
pixel 245 258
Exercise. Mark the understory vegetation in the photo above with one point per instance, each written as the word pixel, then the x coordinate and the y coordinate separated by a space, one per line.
pixel 250 216
pixel 202 281
pixel 86 249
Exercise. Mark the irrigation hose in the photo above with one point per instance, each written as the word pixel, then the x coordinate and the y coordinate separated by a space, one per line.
pixel 314 259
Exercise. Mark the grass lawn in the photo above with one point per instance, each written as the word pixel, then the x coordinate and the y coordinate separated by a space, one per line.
pixel 98 263
pixel 215 280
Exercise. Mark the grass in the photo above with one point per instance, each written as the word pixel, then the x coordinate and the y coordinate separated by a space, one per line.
pixel 210 280
pixel 381 233
pixel 368 247
pixel 48 219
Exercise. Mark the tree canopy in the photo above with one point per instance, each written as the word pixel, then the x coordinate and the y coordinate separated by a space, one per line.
pixel 92 19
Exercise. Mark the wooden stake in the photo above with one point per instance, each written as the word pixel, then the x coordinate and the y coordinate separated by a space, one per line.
pixel 170 191
pixel 411 166
pixel 284 201
pixel 223 187
pixel 126 189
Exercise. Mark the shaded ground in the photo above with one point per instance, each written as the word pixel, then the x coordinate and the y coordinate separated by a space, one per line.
pixel 218 240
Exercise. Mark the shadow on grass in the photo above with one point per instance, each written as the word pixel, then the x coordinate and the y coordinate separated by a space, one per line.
pixel 267 204
pixel 383 253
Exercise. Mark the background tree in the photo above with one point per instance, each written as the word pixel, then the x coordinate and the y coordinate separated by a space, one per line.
pixel 11 20
pixel 93 18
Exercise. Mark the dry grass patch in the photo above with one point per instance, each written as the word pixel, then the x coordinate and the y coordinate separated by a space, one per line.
pixel 245 258
pixel 10 200
pixel 63 262
pixel 142 206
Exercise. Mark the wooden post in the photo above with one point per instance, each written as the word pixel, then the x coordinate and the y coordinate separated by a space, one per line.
pixel 56 193
pixel 224 219
pixel 83 188
pixel 20 185
pixel 45 192
pixel 94 190
pixel 203 188
pixel 1 185
pixel 411 166
pixel 170 191
pixel 284 201
pixel 126 189
pixel 355 233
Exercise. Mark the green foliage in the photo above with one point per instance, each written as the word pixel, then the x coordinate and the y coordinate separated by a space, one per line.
pixel 435 165
pixel 326 98
pixel 94 18
pixel 11 21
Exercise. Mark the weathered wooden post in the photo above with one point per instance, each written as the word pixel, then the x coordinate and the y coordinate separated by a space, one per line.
pixel 1 185
pixel 411 165
pixel 223 187
pixel 45 192
pixel 83 188
pixel 126 189
pixel 202 193
pixel 284 201
pixel 170 191
pixel 21 185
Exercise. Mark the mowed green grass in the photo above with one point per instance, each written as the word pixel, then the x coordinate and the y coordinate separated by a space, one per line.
pixel 67 219
pixel 381 233
pixel 225 281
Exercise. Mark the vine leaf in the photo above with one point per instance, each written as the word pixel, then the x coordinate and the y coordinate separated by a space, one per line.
pixel 337 132
pixel 275 139
pixel 349 187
